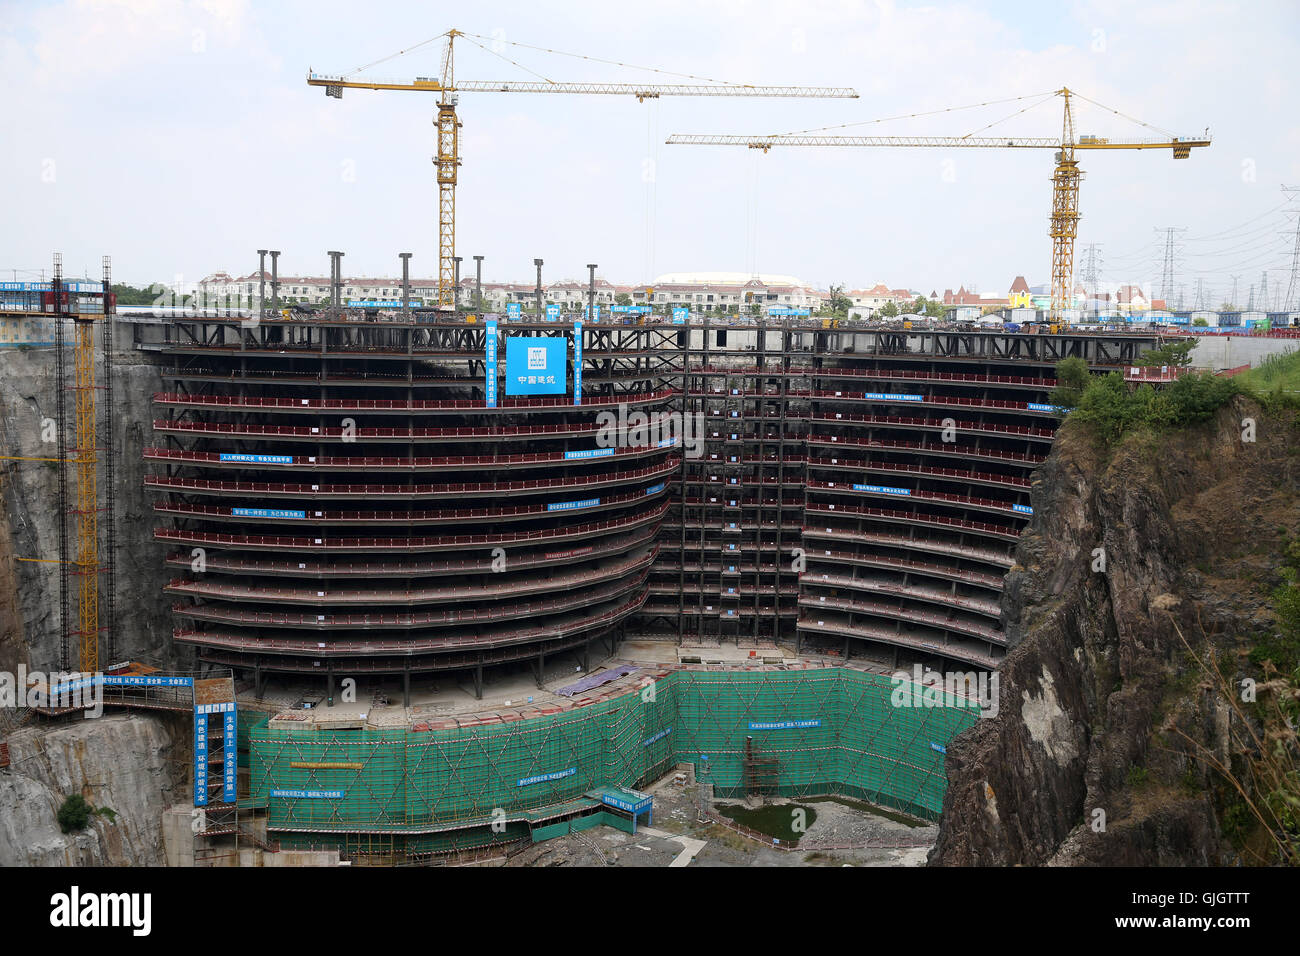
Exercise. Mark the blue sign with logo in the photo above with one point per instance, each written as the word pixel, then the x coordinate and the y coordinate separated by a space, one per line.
pixel 785 311
pixel 514 310
pixel 640 309
pixel 681 315
pixel 577 361
pixel 939 747
pixel 490 362
pixel 552 312
pixel 1023 509
pixel 783 724
pixel 536 365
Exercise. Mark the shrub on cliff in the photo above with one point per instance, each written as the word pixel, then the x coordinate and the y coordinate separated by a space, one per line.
pixel 1112 409
pixel 74 815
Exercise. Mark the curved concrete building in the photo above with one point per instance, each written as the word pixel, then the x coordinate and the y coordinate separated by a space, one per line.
pixel 350 497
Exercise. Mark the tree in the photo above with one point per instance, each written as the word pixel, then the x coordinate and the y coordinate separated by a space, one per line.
pixel 74 814
pixel 130 295
pixel 928 307
pixel 1177 354
pixel 622 299
pixel 838 303
pixel 1071 379
pixel 889 310
pixel 1200 322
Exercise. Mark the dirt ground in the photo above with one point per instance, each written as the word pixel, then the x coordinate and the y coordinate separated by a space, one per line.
pixel 676 817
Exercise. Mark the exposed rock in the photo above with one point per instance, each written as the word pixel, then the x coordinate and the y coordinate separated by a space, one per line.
pixel 29 606
pixel 131 765
pixel 1188 526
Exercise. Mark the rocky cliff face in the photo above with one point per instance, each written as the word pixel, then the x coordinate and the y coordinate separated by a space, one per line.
pixel 1086 762
pixel 135 766
pixel 123 763
pixel 29 607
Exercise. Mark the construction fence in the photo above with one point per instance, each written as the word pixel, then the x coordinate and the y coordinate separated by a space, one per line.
pixel 798 733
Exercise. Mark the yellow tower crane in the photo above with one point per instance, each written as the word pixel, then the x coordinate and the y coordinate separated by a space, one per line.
pixel 87 461
pixel 447 86
pixel 1064 221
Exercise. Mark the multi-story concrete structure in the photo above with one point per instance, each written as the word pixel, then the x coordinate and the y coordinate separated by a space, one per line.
pixel 859 492
pixel 339 496
pixel 353 497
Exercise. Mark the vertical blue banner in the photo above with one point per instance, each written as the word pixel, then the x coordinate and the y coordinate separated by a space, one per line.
pixel 592 312
pixel 681 315
pixel 537 365
pixel 552 312
pixel 490 361
pixel 513 310
pixel 200 759
pixel 230 792
pixel 577 361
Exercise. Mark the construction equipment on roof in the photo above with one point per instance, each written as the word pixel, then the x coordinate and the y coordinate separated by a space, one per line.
pixel 1065 179
pixel 448 157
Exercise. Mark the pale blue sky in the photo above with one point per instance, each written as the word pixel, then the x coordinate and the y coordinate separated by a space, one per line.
pixel 180 136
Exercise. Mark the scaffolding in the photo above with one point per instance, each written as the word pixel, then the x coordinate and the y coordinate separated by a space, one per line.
pixel 467 782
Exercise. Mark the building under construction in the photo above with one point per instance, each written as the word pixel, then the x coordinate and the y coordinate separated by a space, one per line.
pixel 858 491
pixel 351 496
pixel 391 495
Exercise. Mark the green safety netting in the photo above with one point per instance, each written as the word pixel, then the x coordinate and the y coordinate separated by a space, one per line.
pixel 831 731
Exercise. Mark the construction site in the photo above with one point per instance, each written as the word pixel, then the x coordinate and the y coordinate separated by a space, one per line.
pixel 381 561
pixel 389 584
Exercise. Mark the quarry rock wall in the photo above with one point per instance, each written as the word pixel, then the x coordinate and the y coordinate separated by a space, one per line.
pixel 1101 701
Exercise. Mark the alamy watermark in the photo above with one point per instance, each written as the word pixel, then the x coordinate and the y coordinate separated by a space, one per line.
pixel 923 687
pixel 637 429
pixel 57 690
